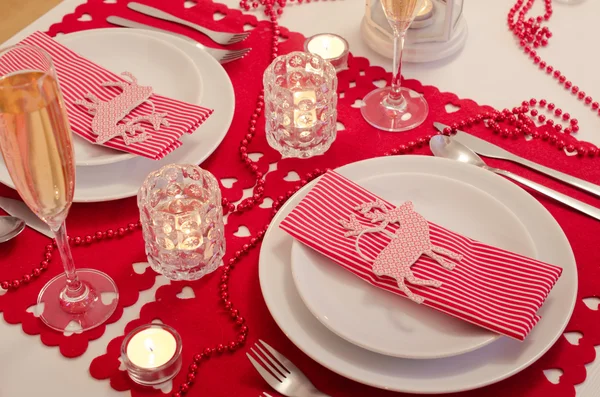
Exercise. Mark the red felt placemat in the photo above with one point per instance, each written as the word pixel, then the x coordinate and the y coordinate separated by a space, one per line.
pixel 202 320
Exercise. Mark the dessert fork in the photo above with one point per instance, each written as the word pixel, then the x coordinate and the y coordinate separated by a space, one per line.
pixel 223 56
pixel 280 373
pixel 218 37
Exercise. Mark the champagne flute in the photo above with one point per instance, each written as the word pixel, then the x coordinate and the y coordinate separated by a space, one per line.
pixel 396 108
pixel 35 139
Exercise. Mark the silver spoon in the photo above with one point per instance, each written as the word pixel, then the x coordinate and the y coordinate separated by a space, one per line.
pixel 10 227
pixel 444 146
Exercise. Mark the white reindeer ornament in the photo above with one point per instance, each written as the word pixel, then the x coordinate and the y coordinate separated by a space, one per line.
pixel 409 242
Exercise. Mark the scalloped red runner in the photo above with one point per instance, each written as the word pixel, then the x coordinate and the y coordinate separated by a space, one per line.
pixel 202 320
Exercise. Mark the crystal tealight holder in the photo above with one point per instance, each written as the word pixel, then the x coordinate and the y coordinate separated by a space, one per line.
pixel 151 354
pixel 182 221
pixel 300 104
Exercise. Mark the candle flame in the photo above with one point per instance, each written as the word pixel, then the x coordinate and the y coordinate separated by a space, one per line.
pixel 148 344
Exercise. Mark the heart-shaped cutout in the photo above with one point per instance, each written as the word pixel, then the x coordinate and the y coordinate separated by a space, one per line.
pixel 342 95
pixel 553 375
pixel 340 126
pixel 108 297
pixel 528 137
pixel 122 366
pixel 380 83
pixel 292 176
pixel 451 108
pixel 189 4
pixel 242 231
pixel 249 26
pixel 358 104
pixel 413 94
pixel 281 39
pixel 255 156
pixel 217 16
pixel 72 328
pixel 186 293
pixel 228 182
pixel 573 337
pixel 36 309
pixel 592 302
pixel 157 321
pixel 266 203
pixel 85 18
pixel 140 267
pixel 352 84
pixel 110 1
pixel 573 153
pixel 165 387
pixel 362 73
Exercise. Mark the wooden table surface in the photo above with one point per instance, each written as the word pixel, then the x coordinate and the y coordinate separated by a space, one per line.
pixel 17 14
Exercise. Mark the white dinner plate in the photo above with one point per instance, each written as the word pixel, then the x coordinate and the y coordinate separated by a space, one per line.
pixel 383 322
pixel 123 179
pixel 154 62
pixel 475 369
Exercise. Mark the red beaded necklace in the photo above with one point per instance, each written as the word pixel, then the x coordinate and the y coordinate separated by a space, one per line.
pixel 507 123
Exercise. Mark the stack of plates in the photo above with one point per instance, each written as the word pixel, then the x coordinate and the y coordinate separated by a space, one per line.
pixel 175 68
pixel 377 338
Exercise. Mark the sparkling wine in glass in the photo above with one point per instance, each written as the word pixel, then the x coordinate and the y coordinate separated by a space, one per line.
pixel 35 140
pixel 396 108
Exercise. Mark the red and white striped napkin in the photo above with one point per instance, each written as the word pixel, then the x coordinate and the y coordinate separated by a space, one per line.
pixel 78 76
pixel 489 287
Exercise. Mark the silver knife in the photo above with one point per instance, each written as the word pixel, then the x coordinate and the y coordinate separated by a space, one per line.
pixel 21 210
pixel 487 149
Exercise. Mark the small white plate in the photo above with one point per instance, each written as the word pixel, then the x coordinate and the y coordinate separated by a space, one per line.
pixel 484 366
pixel 383 322
pixel 123 179
pixel 154 62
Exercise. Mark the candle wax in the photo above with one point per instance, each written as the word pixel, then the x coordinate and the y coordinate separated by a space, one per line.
pixel 327 46
pixel 151 348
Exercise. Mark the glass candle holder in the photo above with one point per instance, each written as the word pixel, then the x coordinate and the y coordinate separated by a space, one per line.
pixel 182 221
pixel 300 104
pixel 151 354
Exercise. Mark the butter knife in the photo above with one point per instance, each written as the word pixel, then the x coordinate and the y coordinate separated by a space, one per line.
pixel 21 210
pixel 486 149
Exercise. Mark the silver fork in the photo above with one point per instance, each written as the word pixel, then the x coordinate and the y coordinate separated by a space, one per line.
pixel 218 37
pixel 280 373
pixel 223 56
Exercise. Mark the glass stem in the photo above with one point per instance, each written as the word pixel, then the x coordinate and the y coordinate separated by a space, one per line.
pixel 74 287
pixel 395 98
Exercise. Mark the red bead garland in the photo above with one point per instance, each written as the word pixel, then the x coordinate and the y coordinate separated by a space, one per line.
pixel 530 33
pixel 13 285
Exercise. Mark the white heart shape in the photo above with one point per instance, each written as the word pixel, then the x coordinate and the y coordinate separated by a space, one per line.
pixel 255 156
pixel 352 84
pixel 217 16
pixel 450 108
pixel 189 4
pixel 573 337
pixel 72 328
pixel 36 309
pixel 553 375
pixel 592 302
pixel 573 153
pixel 292 176
pixel 340 126
pixel 85 18
pixel 186 293
pixel 248 26
pixel 228 182
pixel 242 231
pixel 266 203
pixel 108 297
pixel 380 83
pixel 164 387
pixel 157 321
pixel 140 267
pixel 358 104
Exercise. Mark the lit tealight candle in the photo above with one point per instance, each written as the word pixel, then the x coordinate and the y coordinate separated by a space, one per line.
pixel 152 354
pixel 329 46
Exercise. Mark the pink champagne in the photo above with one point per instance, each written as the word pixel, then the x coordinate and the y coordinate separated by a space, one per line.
pixel 35 139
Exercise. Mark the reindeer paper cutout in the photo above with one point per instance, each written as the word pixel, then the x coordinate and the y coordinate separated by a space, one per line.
pixel 106 123
pixel 409 242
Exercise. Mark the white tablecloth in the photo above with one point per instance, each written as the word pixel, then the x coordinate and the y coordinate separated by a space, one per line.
pixel 490 69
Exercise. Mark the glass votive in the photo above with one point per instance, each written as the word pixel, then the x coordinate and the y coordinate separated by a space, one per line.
pixel 330 47
pixel 300 104
pixel 182 221
pixel 151 354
